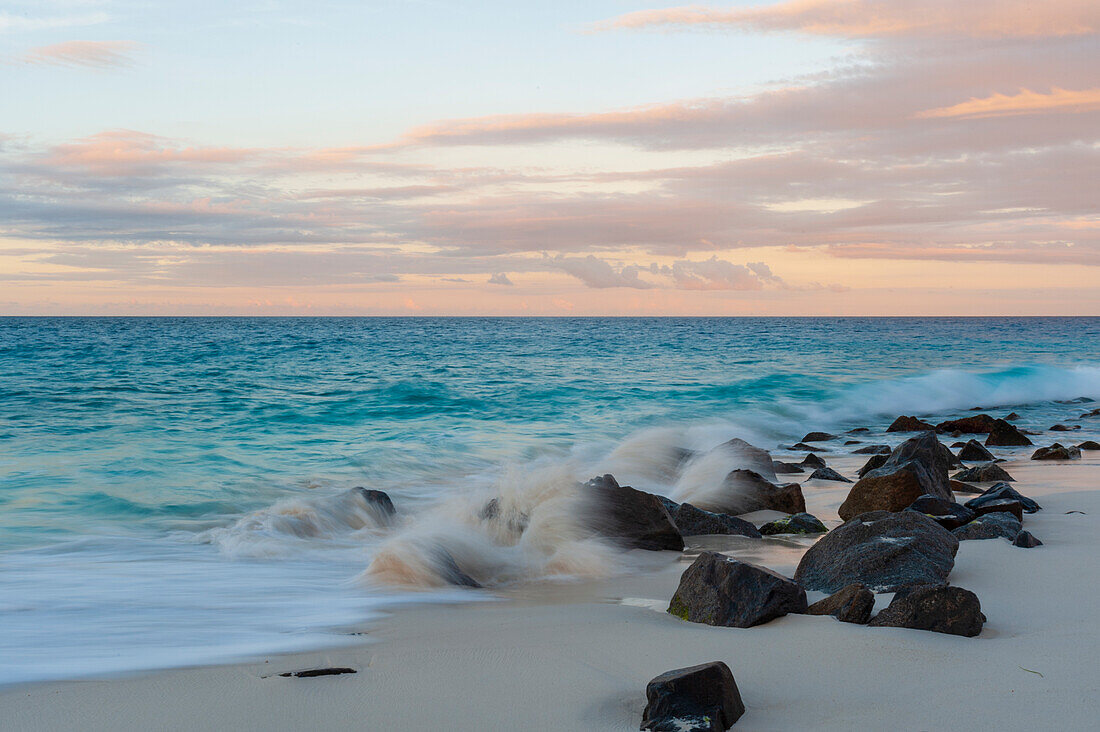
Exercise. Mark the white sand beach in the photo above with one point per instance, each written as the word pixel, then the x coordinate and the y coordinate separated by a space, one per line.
pixel 578 656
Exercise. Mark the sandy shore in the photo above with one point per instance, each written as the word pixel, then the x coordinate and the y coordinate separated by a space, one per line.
pixel 577 657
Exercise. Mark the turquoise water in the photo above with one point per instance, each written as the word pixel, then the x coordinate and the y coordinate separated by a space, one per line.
pixel 173 491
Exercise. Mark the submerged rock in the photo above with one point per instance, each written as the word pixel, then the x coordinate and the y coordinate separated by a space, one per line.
pixel 1003 491
pixel 939 608
pixel 813 461
pixel 909 424
pixel 989 526
pixel 1056 452
pixel 983 474
pixel 701 698
pixel 1003 434
pixel 828 474
pixel 948 514
pixel 882 550
pixel 747 456
pixel 852 604
pixel 799 523
pixel 449 570
pixel 782 468
pixel 805 446
pixel 378 502
pixel 857 430
pixel 717 590
pixel 692 521
pixel 976 424
pixel 633 518
pixel 1012 416
pixel 1064 428
pixel 916 467
pixel 819 437
pixel 873 450
pixel 975 452
pixel 1025 540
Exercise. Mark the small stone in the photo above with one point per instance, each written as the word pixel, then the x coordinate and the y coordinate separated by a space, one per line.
pixel 875 462
pixel 1025 540
pixel 813 461
pixel 957 486
pixel 1064 428
pixel 1012 416
pixel 977 424
pixel 852 604
pixel 314 672
pixel 828 474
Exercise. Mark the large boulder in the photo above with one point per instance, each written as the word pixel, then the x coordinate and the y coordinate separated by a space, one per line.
pixel 948 514
pixel 828 474
pixel 852 604
pixel 940 608
pixel 701 698
pixel 1056 452
pixel 909 424
pixel 998 525
pixel 882 550
pixel 692 521
pixel 974 424
pixel 633 518
pixel 744 491
pixel 915 467
pixel 799 523
pixel 983 474
pixel 1003 491
pixel 749 457
pixel 1003 434
pixel 717 590
pixel 975 452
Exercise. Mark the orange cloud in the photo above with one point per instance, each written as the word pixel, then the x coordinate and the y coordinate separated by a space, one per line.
pixel 88 54
pixel 885 18
pixel 1026 102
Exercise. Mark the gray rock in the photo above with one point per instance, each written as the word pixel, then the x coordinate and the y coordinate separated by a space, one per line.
pixel 633 518
pixel 782 468
pixel 692 521
pixel 813 461
pixel 819 437
pixel 873 450
pixel 948 514
pixel 1003 491
pixel 799 523
pixel 882 550
pixel 909 424
pixel 717 590
pixel 744 491
pixel 1025 540
pixel 983 474
pixel 1004 434
pixel 939 608
pixel 749 457
pixel 876 461
pixel 916 467
pixel 1089 445
pixel 852 604
pixel 975 452
pixel 1057 452
pixel 998 525
pixel 701 698
pixel 828 474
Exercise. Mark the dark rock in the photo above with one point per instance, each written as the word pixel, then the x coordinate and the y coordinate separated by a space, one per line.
pixel 957 445
pixel 378 502
pixel 1056 452
pixel 975 452
pixel 717 590
pixel 1078 400
pixel 1064 428
pixel 701 698
pixel 876 461
pixel 873 450
pixel 989 526
pixel 1093 413
pixel 805 446
pixel 983 474
pixel 781 468
pixel 939 608
pixel 312 672
pixel 1001 505
pixel 744 491
pixel 749 457
pixel 449 570
pixel 516 521
pixel 692 521
pixel 828 474
pixel 1025 540
pixel 960 487
pixel 813 461
pixel 631 517
pixel 915 467
pixel 1003 491
pixel 948 514
pixel 852 604
pixel 1012 416
pixel 852 442
pixel 799 523
pixel 1003 434
pixel 818 437
pixel 909 424
pixel 977 424
pixel 1089 445
pixel 882 550
pixel 857 430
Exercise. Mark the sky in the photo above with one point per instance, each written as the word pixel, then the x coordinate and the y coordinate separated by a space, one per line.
pixel 606 157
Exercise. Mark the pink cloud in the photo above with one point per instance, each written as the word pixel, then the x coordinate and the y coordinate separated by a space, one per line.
pixel 1025 102
pixel 87 54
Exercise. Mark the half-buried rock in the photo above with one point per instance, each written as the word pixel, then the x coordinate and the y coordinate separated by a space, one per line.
pixel 939 608
pixel 1004 434
pixel 701 698
pixel 998 525
pixel 909 424
pixel 916 467
pixel 1003 491
pixel 948 514
pixel 633 518
pixel 1057 451
pixel 692 521
pixel 983 474
pixel 853 604
pixel 717 590
pixel 1025 540
pixel 799 523
pixel 828 474
pixel 882 550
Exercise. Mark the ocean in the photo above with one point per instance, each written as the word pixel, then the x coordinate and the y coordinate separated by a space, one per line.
pixel 176 491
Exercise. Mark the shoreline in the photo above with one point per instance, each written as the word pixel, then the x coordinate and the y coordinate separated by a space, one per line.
pixel 576 656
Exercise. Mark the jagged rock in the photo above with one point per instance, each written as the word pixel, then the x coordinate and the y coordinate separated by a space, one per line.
pixel 701 698
pixel 449 570
pixel 873 450
pixel 378 502
pixel 958 486
pixel 1001 505
pixel 828 474
pixel 631 517
pixel 939 608
pixel 749 457
pixel 1089 445
pixel 1025 540
pixel 1003 434
pixel 805 446
pixel 717 590
pixel 1003 491
pixel 1064 428
pixel 989 526
pixel 813 461
pixel 948 514
pixel 782 468
pixel 917 466
pixel 976 424
pixel 875 461
pixel 852 604
pixel 799 523
pixel 909 424
pixel 1056 452
pixel 819 437
pixel 975 452
pixel 983 474
pixel 1012 416
pixel 692 521
pixel 744 491
pixel 883 550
